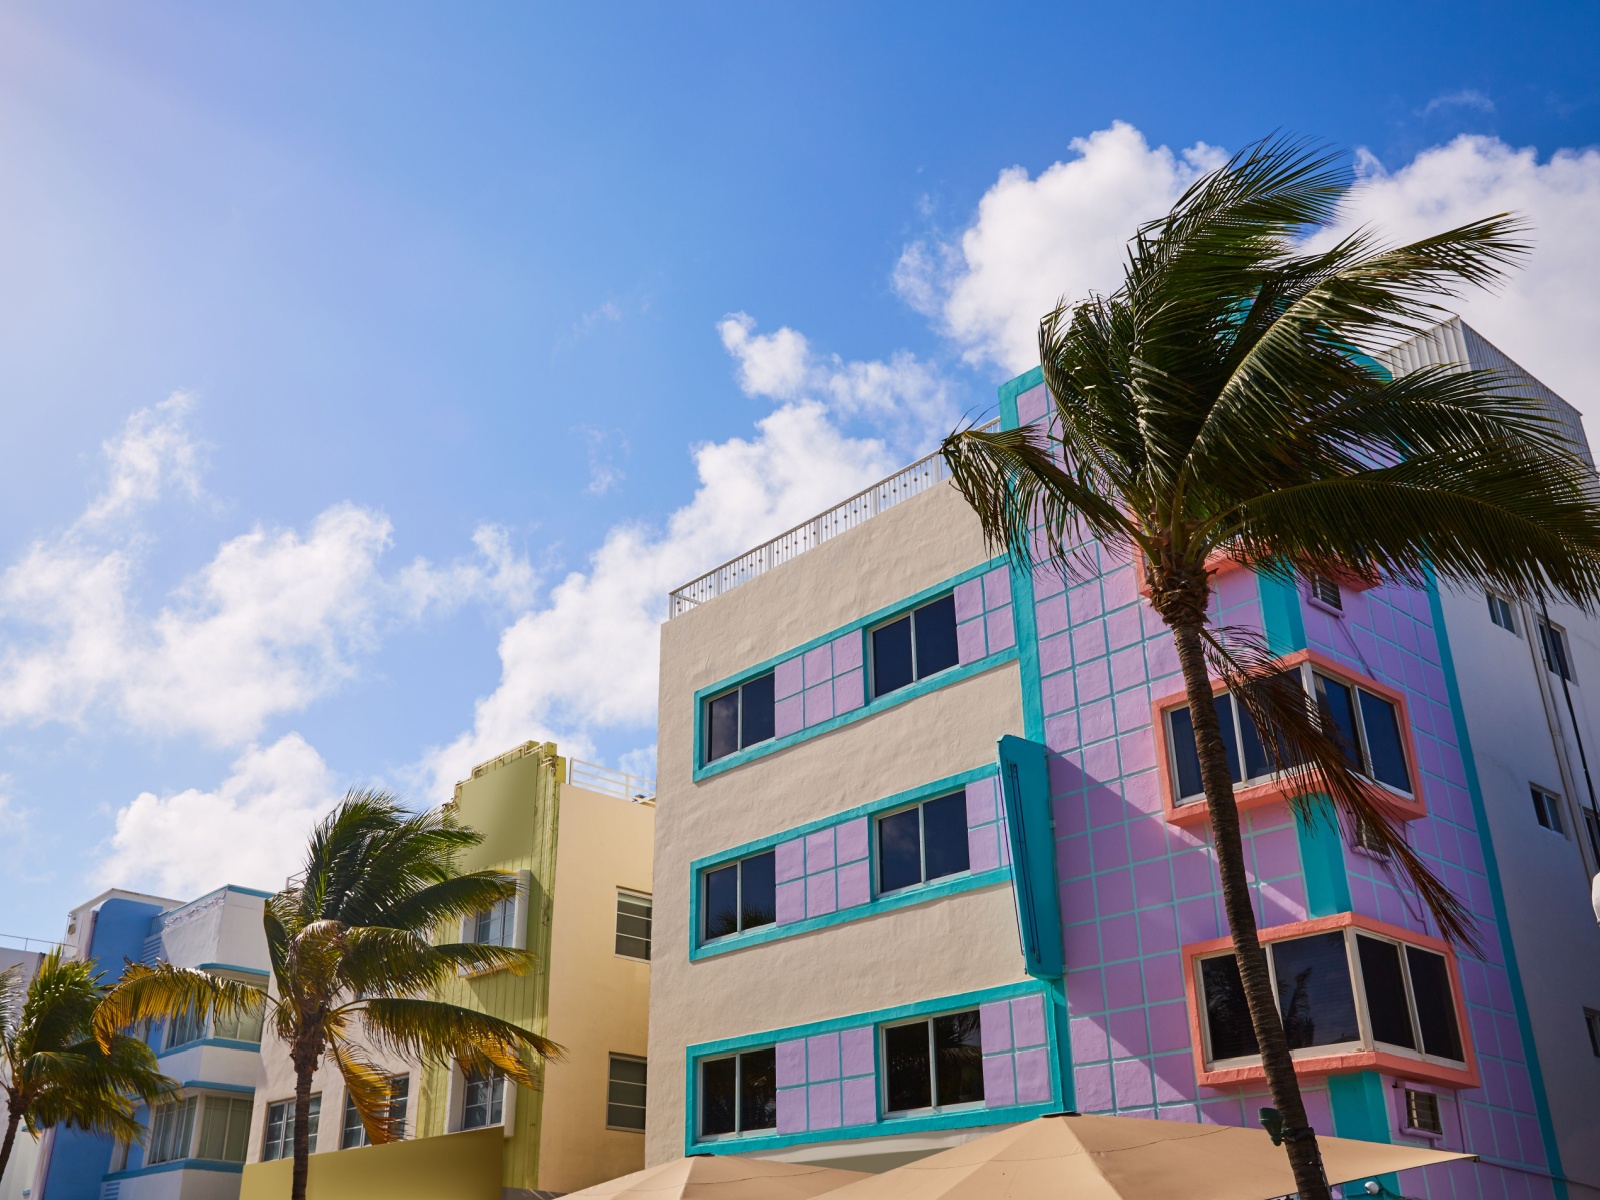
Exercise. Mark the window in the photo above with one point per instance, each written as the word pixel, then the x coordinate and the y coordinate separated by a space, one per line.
pixel 739 896
pixel 1547 809
pixel 1326 591
pixel 936 1063
pixel 1346 988
pixel 1422 1112
pixel 739 719
pixel 924 843
pixel 919 644
pixel 739 1094
pixel 187 1027
pixel 171 1131
pixel 633 924
pixel 496 925
pixel 1367 724
pixel 625 1090
pixel 224 1129
pixel 1366 840
pixel 242 1027
pixel 1592 1020
pixel 355 1133
pixel 1553 641
pixel 1500 612
pixel 278 1140
pixel 484 1099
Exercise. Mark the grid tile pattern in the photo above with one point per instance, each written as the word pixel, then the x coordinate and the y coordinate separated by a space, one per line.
pixel 827 1081
pixel 984 620
pixel 820 684
pixel 1016 1054
pixel 823 872
pixel 988 840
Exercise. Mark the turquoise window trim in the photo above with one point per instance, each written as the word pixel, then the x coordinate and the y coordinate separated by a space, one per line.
pixel 1360 1111
pixel 225 1043
pixel 872 707
pixel 1480 815
pixel 205 1086
pixel 904 898
pixel 257 971
pixel 1322 861
pixel 1031 674
pixel 1284 623
pixel 960 1119
pixel 1011 389
pixel 1059 1019
pixel 179 1164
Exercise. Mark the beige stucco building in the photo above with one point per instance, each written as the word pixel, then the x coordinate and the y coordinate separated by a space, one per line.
pixel 579 840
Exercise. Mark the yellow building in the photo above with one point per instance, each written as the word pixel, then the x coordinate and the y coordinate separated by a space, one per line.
pixel 580 840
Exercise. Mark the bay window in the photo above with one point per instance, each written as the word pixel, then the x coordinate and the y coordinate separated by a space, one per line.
pixel 1344 990
pixel 1365 723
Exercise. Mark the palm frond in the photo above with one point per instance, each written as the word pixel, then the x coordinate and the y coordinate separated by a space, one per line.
pixel 435 1031
pixel 369 1088
pixel 451 899
pixel 164 992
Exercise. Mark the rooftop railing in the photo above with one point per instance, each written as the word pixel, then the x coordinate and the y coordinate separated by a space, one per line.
pixel 11 941
pixel 607 781
pixel 858 509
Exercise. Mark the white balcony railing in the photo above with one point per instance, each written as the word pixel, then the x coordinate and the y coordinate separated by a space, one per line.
pixel 863 506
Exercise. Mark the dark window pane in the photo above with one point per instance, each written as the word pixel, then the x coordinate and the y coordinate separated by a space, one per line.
pixel 1386 992
pixel 721 902
pixel 1383 742
pixel 899 850
pixel 958 1061
pixel 1230 740
pixel 722 726
pixel 1339 706
pixel 1436 1004
pixel 717 1097
pixel 758 1090
pixel 1255 754
pixel 756 717
pixel 1314 992
pixel 759 898
pixel 891 657
pixel 1184 757
pixel 1227 1015
pixel 936 636
pixel 905 1052
pixel 944 835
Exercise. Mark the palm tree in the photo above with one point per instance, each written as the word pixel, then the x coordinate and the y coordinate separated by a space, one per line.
pixel 351 952
pixel 1219 405
pixel 54 1071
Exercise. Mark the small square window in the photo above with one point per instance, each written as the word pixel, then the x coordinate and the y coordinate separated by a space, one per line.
pixel 1557 654
pixel 634 918
pixel 1547 809
pixel 1422 1112
pixel 496 925
pixel 740 896
pixel 739 1094
pixel 740 718
pixel 1326 592
pixel 484 1101
pixel 935 1063
pixel 1500 612
pixel 919 644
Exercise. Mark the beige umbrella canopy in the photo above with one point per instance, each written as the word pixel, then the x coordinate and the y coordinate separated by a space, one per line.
pixel 1125 1158
pixel 722 1177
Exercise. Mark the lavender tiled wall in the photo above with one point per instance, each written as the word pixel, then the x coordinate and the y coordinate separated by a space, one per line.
pixel 823 872
pixel 827 1081
pixel 820 684
pixel 984 622
pixel 988 842
pixel 1016 1053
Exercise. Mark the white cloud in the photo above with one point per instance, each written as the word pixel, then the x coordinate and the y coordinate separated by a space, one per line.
pixel 904 398
pixel 1465 98
pixel 1546 315
pixel 587 658
pixel 276 619
pixel 1033 241
pixel 250 830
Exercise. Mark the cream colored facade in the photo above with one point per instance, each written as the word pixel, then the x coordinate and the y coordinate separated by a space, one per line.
pixel 961 943
pixel 574 848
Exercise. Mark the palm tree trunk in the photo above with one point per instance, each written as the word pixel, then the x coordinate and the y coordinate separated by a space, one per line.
pixel 12 1120
pixel 1301 1143
pixel 304 1067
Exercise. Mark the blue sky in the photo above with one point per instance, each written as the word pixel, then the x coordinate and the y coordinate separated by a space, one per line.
pixel 367 372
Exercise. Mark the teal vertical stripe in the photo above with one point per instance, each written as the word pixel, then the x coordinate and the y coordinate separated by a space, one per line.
pixel 1281 618
pixel 1360 1111
pixel 1458 714
pixel 1322 861
pixel 1028 670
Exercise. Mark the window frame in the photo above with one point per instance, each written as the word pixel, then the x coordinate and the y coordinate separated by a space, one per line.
pixel 231 1106
pixel 496 1094
pixel 738 1057
pixel 1366 1051
pixel 703 908
pixel 1258 790
pixel 704 749
pixel 399 1099
pixel 169 1122
pixel 875 846
pixel 285 1142
pixel 936 1108
pixel 612 1059
pixel 1408 1112
pixel 648 899
pixel 1501 605
pixel 1548 810
pixel 1555 637
pixel 1317 591
pixel 871 694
